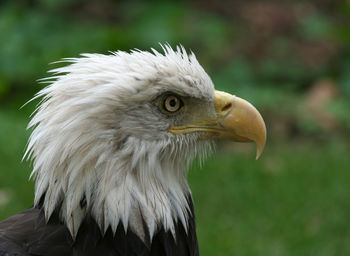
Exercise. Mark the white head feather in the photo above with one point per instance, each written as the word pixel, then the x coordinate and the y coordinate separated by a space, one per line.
pixel 97 138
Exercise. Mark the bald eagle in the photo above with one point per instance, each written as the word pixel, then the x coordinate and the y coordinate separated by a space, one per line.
pixel 112 140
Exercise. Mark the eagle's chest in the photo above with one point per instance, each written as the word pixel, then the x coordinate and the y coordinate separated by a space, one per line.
pixel 28 234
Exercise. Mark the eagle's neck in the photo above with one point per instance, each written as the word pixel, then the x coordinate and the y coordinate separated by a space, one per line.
pixel 141 184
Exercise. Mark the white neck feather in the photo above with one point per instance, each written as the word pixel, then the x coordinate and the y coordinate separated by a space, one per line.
pixel 143 182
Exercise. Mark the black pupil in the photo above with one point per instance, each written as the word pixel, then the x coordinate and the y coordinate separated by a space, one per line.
pixel 172 102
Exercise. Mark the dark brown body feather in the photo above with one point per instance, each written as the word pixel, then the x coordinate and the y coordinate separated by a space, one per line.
pixel 27 234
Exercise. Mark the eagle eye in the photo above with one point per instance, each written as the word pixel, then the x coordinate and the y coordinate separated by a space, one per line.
pixel 172 103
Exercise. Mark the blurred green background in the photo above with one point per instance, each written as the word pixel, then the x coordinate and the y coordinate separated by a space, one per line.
pixel 289 58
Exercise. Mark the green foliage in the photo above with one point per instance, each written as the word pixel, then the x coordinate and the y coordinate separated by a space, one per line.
pixel 34 35
pixel 32 39
pixel 316 26
pixel 344 78
pixel 340 109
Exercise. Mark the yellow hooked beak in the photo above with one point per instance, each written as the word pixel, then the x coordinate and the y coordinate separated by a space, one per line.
pixel 237 120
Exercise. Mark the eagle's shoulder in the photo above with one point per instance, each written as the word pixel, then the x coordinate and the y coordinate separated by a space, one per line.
pixel 27 233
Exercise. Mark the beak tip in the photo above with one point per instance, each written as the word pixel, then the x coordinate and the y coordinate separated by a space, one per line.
pixel 258 154
pixel 260 144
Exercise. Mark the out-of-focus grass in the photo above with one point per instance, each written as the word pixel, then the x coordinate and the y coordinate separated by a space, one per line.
pixel 292 201
pixel 16 191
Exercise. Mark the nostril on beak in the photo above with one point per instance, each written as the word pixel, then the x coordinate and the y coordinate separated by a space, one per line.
pixel 226 107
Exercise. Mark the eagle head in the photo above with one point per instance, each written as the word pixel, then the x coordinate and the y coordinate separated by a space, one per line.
pixel 114 135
